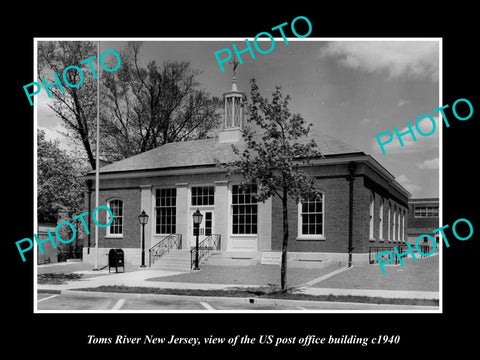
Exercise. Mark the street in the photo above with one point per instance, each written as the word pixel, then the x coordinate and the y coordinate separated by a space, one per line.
pixel 95 301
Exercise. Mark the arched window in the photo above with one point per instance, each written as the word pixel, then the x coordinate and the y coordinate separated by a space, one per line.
pixel 116 227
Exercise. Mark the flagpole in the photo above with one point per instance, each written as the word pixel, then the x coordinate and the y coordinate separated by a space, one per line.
pixel 97 160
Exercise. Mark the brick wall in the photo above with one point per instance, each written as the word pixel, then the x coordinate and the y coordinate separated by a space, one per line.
pixel 131 227
pixel 336 207
pixel 336 193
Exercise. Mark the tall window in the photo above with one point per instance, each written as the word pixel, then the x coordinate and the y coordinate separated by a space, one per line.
pixel 394 229
pixel 403 227
pixel 165 211
pixel 380 220
pixel 311 217
pixel 372 212
pixel 244 210
pixel 116 227
pixel 389 221
pixel 399 225
pixel 203 195
pixel 208 223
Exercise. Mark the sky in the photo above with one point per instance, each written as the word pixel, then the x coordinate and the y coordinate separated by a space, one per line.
pixel 351 89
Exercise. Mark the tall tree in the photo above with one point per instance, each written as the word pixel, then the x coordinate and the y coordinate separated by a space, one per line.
pixel 274 160
pixel 59 185
pixel 60 191
pixel 140 107
pixel 152 106
pixel 76 106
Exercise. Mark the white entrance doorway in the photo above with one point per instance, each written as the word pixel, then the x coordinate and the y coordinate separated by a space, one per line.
pixel 206 227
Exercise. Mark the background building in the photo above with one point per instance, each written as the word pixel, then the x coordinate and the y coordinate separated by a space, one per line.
pixel 423 219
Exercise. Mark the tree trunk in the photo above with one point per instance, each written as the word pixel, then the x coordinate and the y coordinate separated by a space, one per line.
pixel 283 270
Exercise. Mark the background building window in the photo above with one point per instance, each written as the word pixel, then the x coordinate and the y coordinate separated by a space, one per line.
pixel 116 227
pixel 311 215
pixel 426 211
pixel 165 211
pixel 244 210
pixel 203 195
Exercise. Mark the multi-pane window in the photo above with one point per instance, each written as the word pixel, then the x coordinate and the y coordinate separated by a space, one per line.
pixel 165 211
pixel 116 207
pixel 426 211
pixel 203 195
pixel 312 217
pixel 244 210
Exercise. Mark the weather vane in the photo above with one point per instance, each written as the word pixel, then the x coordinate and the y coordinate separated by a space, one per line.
pixel 235 64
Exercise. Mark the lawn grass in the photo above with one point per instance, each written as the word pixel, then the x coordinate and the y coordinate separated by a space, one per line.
pixel 420 275
pixel 264 275
pixel 56 278
pixel 265 292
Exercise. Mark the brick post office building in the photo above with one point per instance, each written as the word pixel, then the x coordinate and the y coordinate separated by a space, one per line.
pixel 362 207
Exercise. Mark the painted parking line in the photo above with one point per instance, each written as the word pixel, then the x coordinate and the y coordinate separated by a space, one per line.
pixel 118 305
pixel 301 308
pixel 47 298
pixel 207 305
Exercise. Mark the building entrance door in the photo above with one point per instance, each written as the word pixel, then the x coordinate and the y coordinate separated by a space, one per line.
pixel 206 227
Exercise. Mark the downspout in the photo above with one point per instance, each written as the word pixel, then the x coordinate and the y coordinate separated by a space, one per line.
pixel 351 170
pixel 89 186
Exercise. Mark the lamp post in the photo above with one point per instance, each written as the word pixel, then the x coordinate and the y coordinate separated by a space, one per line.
pixel 143 218
pixel 197 219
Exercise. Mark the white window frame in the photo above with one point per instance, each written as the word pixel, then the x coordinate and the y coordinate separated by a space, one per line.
pixel 190 195
pixel 155 209
pixel 301 236
pixel 108 234
pixel 241 235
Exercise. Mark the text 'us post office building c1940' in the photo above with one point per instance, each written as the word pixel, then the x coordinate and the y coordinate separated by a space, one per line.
pixel 363 207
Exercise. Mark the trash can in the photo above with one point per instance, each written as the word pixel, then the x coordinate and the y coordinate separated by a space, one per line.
pixel 116 259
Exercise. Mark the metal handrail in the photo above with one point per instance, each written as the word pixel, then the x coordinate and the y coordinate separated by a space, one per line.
pixel 210 243
pixel 170 241
pixel 374 250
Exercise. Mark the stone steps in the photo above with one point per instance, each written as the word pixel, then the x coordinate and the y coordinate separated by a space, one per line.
pixel 175 260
